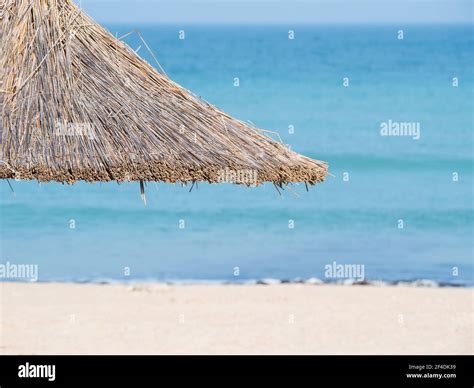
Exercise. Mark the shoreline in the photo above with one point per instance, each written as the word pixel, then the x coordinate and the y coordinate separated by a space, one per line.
pixel 421 282
pixel 61 318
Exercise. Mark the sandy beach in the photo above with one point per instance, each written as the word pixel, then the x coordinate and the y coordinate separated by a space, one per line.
pixel 52 318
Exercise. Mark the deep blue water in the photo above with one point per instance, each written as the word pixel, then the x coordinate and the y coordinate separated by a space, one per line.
pixel 285 82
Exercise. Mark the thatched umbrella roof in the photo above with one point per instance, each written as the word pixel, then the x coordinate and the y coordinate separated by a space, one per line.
pixel 79 104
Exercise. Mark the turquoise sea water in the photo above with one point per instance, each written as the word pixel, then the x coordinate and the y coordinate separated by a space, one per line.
pixel 285 82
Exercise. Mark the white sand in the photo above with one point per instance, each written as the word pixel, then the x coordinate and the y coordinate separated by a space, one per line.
pixel 280 319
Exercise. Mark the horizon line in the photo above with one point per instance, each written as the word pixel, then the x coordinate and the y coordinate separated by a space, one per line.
pixel 286 24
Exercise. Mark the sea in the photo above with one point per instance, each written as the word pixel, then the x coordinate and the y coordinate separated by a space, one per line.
pixel 389 108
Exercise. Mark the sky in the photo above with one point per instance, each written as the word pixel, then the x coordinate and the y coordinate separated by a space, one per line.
pixel 280 11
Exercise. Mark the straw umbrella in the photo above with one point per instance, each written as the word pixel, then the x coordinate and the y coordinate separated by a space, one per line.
pixel 80 104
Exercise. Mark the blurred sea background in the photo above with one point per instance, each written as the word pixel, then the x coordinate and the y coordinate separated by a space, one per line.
pixel 352 218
